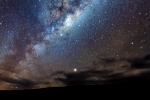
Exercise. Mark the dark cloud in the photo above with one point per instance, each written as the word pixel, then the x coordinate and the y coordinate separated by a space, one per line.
pixel 140 78
pixel 17 83
pixel 103 71
pixel 97 75
pixel 140 62
pixel 8 83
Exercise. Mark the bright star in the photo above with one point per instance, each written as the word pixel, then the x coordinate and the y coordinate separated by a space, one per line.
pixel 132 43
pixel 74 69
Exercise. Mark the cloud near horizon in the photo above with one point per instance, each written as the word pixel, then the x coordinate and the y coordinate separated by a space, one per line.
pixel 103 71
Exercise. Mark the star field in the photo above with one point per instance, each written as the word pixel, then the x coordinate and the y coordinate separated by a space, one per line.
pixel 41 37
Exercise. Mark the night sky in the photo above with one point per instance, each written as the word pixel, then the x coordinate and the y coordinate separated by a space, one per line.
pixel 38 38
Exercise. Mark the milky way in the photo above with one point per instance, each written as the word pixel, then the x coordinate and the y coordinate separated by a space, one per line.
pixel 41 37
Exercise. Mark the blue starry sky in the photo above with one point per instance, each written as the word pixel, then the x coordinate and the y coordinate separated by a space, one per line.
pixel 40 37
